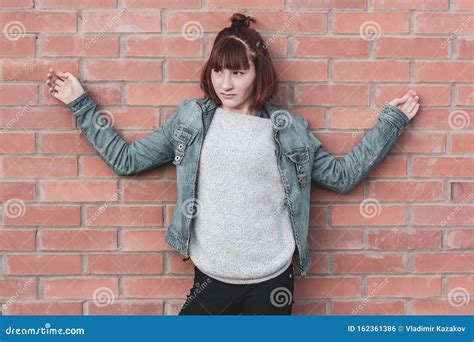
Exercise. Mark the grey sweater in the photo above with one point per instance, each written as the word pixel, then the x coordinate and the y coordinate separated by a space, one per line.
pixel 242 233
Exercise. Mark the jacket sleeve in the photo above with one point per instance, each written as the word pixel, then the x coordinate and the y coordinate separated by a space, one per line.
pixel 124 158
pixel 344 174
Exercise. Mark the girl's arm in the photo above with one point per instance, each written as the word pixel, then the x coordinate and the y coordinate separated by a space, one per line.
pixel 344 174
pixel 124 158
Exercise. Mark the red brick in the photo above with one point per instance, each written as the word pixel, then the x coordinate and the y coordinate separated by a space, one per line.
pixel 368 307
pixel 371 71
pixel 121 20
pixel 442 166
pixel 74 4
pixel 78 191
pixel 444 71
pixel 369 263
pixel 125 263
pixel 84 288
pixel 144 240
pixel 23 190
pixel 47 264
pixel 149 46
pixel 389 22
pixel 41 167
pixel 80 46
pixel 403 239
pixel 444 262
pixel 462 143
pixel 17 288
pixel 17 142
pixel 140 215
pixel 45 215
pixel 161 94
pixel 295 70
pixel 404 287
pixel 17 240
pixel 418 47
pixel 406 191
pixel 77 240
pixel 411 4
pixel 122 70
pixel 336 239
pixel 138 191
pixel 368 215
pixel 24 47
pixel 322 94
pixel 44 308
pixel 325 287
pixel 39 21
pixel 461 238
pixel 14 94
pixel 443 23
pixel 305 46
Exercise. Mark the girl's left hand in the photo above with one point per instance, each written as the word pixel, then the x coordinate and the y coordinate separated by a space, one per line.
pixel 408 104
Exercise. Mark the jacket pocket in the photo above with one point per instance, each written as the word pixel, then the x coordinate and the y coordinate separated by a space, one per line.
pixel 299 156
pixel 184 136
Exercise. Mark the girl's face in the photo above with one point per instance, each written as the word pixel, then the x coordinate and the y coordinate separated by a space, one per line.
pixel 238 84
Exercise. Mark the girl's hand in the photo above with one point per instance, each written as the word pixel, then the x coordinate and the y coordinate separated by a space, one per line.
pixel 408 104
pixel 64 86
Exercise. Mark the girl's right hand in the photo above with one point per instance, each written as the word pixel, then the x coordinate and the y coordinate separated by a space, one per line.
pixel 64 86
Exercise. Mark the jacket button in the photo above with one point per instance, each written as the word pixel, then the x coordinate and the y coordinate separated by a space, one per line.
pixel 300 167
pixel 180 146
pixel 177 158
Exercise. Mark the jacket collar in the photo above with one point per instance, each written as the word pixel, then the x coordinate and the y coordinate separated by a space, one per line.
pixel 277 116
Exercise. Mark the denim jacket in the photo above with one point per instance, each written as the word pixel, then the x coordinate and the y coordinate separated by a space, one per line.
pixel 301 159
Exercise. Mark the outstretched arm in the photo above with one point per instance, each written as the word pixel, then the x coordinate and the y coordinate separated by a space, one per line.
pixel 343 175
pixel 124 158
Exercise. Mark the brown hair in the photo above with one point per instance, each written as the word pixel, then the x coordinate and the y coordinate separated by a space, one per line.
pixel 232 48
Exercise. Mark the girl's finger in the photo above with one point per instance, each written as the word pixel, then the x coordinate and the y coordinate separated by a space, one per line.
pixel 407 103
pixel 59 82
pixel 413 103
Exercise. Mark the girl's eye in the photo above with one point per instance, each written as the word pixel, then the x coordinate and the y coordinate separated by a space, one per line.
pixel 216 70
pixel 240 72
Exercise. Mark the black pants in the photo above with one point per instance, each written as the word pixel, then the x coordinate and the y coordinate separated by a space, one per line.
pixel 209 296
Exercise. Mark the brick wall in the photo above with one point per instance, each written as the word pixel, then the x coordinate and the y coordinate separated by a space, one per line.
pixel 76 239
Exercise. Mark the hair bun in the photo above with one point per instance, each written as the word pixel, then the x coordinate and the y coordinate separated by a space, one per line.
pixel 240 20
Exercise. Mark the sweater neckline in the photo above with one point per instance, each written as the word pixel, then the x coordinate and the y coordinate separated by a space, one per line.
pixel 241 114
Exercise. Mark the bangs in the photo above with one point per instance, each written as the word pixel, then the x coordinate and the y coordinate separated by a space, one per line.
pixel 229 54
